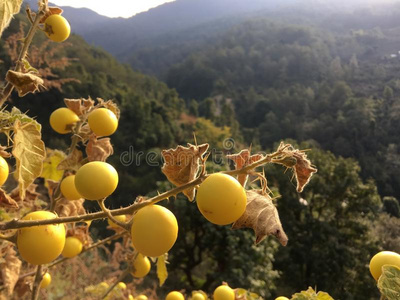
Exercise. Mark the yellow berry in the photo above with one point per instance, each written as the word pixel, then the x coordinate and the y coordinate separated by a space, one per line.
pixel 141 266
pixel 46 280
pixel 224 292
pixel 4 170
pixel 42 244
pixel 174 295
pixel 68 188
pixel 102 122
pixel 57 28
pixel 62 119
pixel 73 247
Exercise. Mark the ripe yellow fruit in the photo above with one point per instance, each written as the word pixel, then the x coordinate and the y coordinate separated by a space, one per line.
pixel 46 280
pixel 73 246
pixel 383 258
pixel 154 230
pixel 57 28
pixel 121 218
pixel 63 118
pixel 282 298
pixel 4 170
pixel 174 295
pixel 121 285
pixel 141 266
pixel 96 180
pixel 198 296
pixel 103 121
pixel 224 292
pixel 41 244
pixel 68 188
pixel 141 297
pixel 130 297
pixel 221 199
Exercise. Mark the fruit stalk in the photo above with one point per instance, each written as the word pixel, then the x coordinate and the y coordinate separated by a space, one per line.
pixel 27 42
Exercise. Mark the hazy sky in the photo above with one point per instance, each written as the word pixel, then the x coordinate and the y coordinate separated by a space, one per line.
pixel 113 8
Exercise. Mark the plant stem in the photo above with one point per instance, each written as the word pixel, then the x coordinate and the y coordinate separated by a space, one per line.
pixel 27 42
pixel 36 283
pixel 126 226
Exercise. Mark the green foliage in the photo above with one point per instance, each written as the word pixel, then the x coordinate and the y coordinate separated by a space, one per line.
pixel 310 294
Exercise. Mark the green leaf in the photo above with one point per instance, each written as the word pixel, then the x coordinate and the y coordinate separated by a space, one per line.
pixel 8 8
pixel 310 294
pixel 28 68
pixel 389 282
pixel 29 153
pixel 162 272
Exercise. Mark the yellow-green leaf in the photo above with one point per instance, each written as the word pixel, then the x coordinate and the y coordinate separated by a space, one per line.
pixel 50 164
pixel 389 282
pixel 162 272
pixel 29 153
pixel 8 8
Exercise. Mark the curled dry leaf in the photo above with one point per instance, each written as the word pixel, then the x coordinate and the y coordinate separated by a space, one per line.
pixel 72 161
pixel 303 170
pixel 242 159
pixel 49 12
pixel 6 200
pixel 182 164
pixel 30 195
pixel 79 106
pixel 24 82
pixel 10 268
pixel 296 159
pixel 66 208
pixel 262 216
pixel 98 149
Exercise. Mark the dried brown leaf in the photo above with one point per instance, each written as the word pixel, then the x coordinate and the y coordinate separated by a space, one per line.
pixel 30 195
pixel 10 268
pixel 79 106
pixel 72 161
pixel 24 82
pixel 98 149
pixel 303 170
pixel 6 200
pixel 242 159
pixel 66 208
pixel 182 164
pixel 49 12
pixel 262 216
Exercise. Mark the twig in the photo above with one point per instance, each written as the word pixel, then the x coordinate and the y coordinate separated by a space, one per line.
pixel 120 278
pixel 36 283
pixel 27 42
pixel 126 226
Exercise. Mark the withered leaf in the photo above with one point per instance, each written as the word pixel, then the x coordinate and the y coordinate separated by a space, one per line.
pixel 24 82
pixel 49 12
pixel 79 106
pixel 72 161
pixel 10 268
pixel 98 149
pixel 262 216
pixel 30 194
pixel 242 159
pixel 6 200
pixel 182 164
pixel 65 208
pixel 303 170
